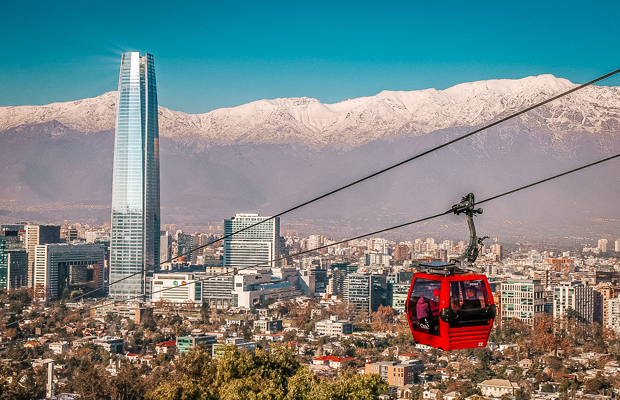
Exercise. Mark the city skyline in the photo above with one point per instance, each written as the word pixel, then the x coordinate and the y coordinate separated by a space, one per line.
pixel 134 243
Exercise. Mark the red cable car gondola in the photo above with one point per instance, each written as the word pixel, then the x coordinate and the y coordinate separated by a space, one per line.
pixel 450 307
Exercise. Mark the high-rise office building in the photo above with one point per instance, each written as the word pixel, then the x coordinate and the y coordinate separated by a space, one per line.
pixel 134 243
pixel 256 246
pixel 36 235
pixel 10 261
pixel 602 245
pixel 185 244
pixel 522 299
pixel 576 296
pixel 60 266
pixel 367 292
pixel 165 242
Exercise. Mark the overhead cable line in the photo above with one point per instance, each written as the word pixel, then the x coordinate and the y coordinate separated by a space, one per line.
pixel 382 171
pixel 487 126
pixel 450 211
pixel 109 303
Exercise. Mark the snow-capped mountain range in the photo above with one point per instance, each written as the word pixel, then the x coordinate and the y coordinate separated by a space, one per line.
pixel 354 122
pixel 265 156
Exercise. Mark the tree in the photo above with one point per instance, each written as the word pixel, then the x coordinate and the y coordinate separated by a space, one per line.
pixel 259 375
pixel 205 312
pixel 129 384
pixel 195 371
pixel 242 375
pixel 547 388
pixel 521 395
pixel 383 319
pixel 148 319
pixel 597 385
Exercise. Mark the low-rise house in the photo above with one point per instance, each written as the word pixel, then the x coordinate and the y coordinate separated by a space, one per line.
pixel 219 349
pixel 612 367
pixel 407 356
pixel 333 361
pixel 554 386
pixel 430 393
pixel 497 387
pixel 111 344
pixel 538 395
pixel 58 347
pixel 167 347
pixel 32 344
pixel 218 334
pixel 268 325
pixel 114 367
pixel 273 337
pixel 147 359
pixel 405 392
pixel 187 342
pixel 450 396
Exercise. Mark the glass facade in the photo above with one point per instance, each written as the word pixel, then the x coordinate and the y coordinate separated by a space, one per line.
pixel 134 243
pixel 254 246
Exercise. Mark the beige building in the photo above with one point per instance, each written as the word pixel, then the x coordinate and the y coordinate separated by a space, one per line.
pixel 395 373
pixel 133 312
pixel 498 387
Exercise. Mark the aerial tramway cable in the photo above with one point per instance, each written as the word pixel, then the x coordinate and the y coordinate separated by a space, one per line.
pixel 424 153
pixel 436 148
pixel 417 221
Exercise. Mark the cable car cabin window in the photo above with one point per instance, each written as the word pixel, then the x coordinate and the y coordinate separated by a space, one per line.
pixel 468 295
pixel 424 306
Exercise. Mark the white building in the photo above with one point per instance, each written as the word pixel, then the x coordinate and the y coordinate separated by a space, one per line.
pixel 256 287
pixel 574 295
pixel 613 314
pixel 217 290
pixel 93 236
pixel 373 258
pixel 165 243
pixel 602 245
pixel 59 347
pixel 522 299
pixel 57 266
pixel 258 246
pixel 176 288
pixel 334 327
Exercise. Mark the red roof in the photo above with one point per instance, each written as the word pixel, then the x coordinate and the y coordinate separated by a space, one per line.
pixel 334 358
pixel 167 343
pixel 132 355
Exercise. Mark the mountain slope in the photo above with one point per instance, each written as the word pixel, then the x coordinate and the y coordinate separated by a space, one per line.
pixel 353 122
pixel 269 155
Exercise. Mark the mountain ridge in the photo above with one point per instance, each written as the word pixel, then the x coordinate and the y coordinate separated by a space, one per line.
pixel 354 122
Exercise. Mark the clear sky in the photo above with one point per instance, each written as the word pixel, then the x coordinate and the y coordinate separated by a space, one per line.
pixel 212 54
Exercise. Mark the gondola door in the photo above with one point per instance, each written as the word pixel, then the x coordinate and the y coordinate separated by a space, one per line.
pixel 470 314
pixel 427 296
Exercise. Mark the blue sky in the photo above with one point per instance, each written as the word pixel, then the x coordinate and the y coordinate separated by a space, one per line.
pixel 221 54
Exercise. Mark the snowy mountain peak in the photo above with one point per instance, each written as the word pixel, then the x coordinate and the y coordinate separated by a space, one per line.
pixel 356 121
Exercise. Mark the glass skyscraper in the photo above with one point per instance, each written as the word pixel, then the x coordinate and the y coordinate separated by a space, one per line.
pixel 134 243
